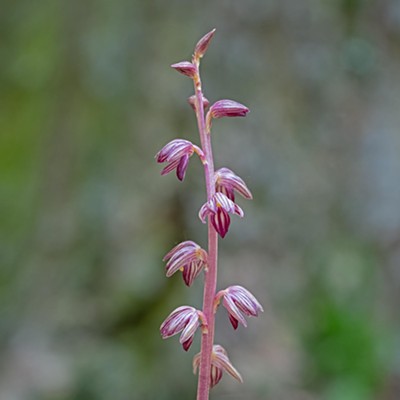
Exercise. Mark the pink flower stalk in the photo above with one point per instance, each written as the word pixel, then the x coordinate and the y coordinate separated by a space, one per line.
pixel 219 363
pixel 177 153
pixel 188 257
pixel 185 319
pixel 218 208
pixel 227 182
pixel 238 301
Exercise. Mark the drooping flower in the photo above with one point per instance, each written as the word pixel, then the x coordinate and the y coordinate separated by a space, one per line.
pixel 219 363
pixel 188 257
pixel 185 68
pixel 185 319
pixel 219 207
pixel 202 44
pixel 226 182
pixel 238 301
pixel 176 154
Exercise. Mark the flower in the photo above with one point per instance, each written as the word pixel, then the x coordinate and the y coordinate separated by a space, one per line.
pixel 185 319
pixel 219 363
pixel 238 300
pixel 202 44
pixel 219 207
pixel 227 182
pixel 177 153
pixel 228 108
pixel 188 257
pixel 185 68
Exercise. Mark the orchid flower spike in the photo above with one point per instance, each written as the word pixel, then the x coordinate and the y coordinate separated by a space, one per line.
pixel 238 301
pixel 219 207
pixel 219 363
pixel 188 257
pixel 177 153
pixel 226 182
pixel 185 319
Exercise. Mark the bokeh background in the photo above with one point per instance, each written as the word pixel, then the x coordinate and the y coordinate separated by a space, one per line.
pixel 87 98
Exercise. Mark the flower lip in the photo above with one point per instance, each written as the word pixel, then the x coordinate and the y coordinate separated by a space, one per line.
pixel 238 301
pixel 184 319
pixel 227 182
pixel 187 256
pixel 218 208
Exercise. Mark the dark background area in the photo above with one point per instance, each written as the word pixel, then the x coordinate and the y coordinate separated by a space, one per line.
pixel 87 98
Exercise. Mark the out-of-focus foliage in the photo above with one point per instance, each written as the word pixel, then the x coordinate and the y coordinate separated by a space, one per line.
pixel 86 100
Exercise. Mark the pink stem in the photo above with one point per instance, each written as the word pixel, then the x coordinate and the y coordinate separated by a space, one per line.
pixel 210 284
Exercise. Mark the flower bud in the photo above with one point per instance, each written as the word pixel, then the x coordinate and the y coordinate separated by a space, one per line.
pixel 228 108
pixel 185 68
pixel 202 44
pixel 192 102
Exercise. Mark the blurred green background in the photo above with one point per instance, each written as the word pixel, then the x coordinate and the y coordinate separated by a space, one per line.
pixel 87 98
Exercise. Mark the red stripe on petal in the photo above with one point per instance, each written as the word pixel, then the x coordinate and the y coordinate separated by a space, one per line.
pixel 221 221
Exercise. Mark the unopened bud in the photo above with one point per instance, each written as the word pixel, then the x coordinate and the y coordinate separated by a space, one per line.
pixel 185 68
pixel 228 108
pixel 202 44
pixel 192 102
